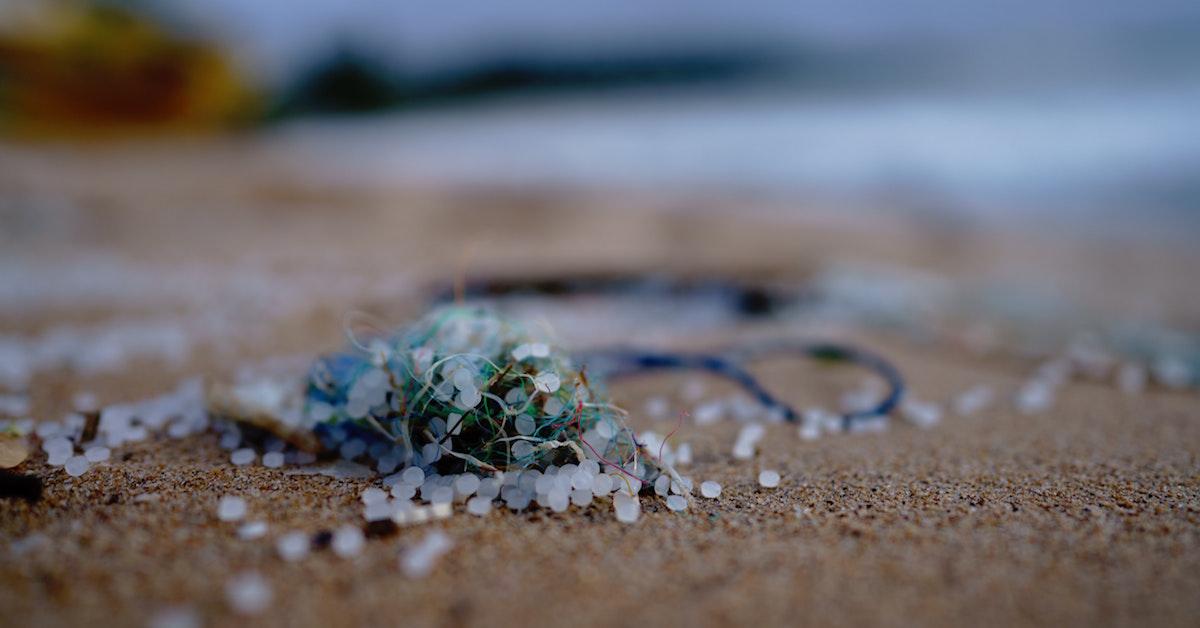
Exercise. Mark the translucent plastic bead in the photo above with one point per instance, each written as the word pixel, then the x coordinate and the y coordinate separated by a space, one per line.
pixel 479 506
pixel 231 508
pixel 525 425
pixel 76 466
pixel 678 503
pixel 627 508
pixel 347 541
pixel 768 479
pixel 581 497
pixel 466 484
pixel 243 456
pixel 710 489
pixel 292 546
pixel 413 476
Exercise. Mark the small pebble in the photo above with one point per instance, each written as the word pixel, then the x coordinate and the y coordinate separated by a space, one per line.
pixel 248 593
pixel 231 508
pixel 768 479
pixel 710 489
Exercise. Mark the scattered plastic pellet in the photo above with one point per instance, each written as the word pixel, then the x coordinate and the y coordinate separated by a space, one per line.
pixel 76 466
pixel 348 541
pixel 920 413
pixel 178 617
pixel 248 593
pixel 419 560
pixel 973 400
pixel 292 546
pixel 768 479
pixel 231 508
pixel 412 476
pixel 243 456
pixel 479 506
pixel 372 495
pixel 677 503
pixel 710 489
pixel 273 460
pixel 97 454
pixel 252 530
pixel 627 508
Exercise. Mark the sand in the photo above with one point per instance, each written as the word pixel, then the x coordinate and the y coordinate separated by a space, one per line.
pixel 1088 514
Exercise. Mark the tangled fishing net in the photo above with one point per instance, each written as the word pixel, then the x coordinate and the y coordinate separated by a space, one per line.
pixel 464 389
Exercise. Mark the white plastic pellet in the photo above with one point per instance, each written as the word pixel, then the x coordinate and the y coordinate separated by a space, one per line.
pixel 627 508
pixel 248 593
pixel 973 400
pixel 419 561
pixel 231 508
pixel 768 479
pixel 683 455
pixel 710 489
pixel 412 476
pixel 347 541
pixel 252 530
pixel 378 511
pixel 547 382
pixel 479 506
pixel 292 546
pixel 581 497
pixel 273 460
pixel 373 495
pixel 97 454
pixel 180 617
pixel 403 491
pixel 76 466
pixel 466 485
pixel 243 456
pixel 677 503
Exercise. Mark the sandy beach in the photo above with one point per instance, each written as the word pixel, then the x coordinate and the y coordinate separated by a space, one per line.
pixel 1086 514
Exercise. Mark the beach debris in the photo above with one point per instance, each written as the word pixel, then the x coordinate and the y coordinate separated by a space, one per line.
pixel 348 541
pixel 923 414
pixel 176 617
pixel 768 479
pixel 419 560
pixel 13 451
pixel 231 508
pixel 292 546
pixel 747 440
pixel 974 400
pixel 248 593
pixel 244 456
pixel 710 489
pixel 76 466
pixel 252 530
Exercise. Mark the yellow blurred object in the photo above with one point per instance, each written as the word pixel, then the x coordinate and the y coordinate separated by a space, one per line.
pixel 94 69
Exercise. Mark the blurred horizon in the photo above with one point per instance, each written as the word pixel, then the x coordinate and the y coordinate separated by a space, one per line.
pixel 1077 111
